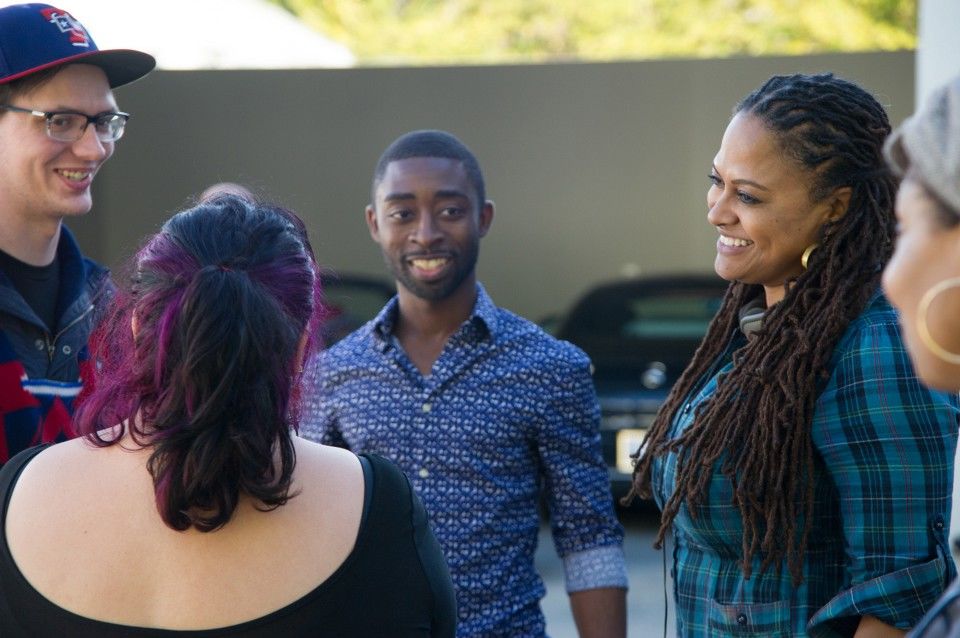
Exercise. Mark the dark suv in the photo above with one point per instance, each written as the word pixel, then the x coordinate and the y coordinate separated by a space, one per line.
pixel 640 334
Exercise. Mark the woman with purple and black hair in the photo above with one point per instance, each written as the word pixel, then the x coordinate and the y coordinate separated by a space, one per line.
pixel 189 504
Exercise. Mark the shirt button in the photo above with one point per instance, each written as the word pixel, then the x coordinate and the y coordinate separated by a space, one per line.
pixel 741 619
pixel 67 349
pixel 426 407
pixel 39 344
pixel 938 524
pixel 424 472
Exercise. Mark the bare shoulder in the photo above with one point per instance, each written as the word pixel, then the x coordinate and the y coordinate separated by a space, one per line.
pixel 65 490
pixel 66 473
pixel 328 466
pixel 54 469
pixel 327 454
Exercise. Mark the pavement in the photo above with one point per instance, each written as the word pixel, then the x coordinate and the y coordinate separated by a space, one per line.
pixel 645 570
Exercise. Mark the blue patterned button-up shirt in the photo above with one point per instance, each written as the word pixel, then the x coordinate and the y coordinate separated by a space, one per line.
pixel 884 450
pixel 507 413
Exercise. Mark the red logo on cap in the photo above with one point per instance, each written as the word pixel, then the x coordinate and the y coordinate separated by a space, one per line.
pixel 69 25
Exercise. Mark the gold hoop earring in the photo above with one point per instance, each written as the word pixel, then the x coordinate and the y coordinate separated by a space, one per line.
pixel 805 257
pixel 924 331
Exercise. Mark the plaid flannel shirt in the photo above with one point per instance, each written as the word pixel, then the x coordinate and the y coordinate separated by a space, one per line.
pixel 884 452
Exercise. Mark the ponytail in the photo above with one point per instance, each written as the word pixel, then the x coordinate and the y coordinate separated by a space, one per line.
pixel 221 298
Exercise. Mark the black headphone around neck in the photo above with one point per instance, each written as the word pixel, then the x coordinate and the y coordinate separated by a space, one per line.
pixel 751 315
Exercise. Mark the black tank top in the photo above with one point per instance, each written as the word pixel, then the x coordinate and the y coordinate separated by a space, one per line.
pixel 394 583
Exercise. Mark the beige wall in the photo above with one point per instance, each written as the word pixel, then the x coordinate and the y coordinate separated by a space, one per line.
pixel 938 57
pixel 596 169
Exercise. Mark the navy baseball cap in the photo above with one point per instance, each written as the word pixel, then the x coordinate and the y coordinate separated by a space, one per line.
pixel 34 37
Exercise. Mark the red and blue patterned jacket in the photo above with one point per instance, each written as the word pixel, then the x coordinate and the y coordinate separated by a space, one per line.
pixel 42 373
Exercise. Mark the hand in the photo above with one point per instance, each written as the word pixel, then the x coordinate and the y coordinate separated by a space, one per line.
pixel 600 613
pixel 870 627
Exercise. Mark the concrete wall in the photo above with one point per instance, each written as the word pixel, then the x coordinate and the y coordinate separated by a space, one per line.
pixel 938 54
pixel 596 169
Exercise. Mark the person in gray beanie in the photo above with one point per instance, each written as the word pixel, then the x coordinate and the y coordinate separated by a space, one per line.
pixel 922 279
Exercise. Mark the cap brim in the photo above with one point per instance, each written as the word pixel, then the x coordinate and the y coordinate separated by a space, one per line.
pixel 122 66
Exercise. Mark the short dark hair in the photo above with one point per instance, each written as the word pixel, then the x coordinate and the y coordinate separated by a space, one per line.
pixel 28 83
pixel 430 143
pixel 220 297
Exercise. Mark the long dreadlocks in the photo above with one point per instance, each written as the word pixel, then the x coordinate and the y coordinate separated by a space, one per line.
pixel 757 423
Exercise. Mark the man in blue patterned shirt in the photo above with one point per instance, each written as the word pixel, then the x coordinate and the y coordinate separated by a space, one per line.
pixel 481 409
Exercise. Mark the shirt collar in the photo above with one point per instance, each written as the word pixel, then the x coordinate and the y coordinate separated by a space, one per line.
pixel 485 313
pixel 483 318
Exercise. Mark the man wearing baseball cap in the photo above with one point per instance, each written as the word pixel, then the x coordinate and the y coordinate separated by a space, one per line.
pixel 59 123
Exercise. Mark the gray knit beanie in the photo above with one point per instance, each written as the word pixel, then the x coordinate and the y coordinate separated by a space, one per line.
pixel 929 142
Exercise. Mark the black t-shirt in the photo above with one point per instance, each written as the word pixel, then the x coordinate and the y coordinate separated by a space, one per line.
pixel 38 285
pixel 394 583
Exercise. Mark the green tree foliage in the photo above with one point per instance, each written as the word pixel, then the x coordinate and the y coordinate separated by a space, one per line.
pixel 389 32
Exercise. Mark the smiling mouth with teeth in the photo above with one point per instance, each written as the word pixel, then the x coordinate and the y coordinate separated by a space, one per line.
pixel 74 176
pixel 733 241
pixel 429 264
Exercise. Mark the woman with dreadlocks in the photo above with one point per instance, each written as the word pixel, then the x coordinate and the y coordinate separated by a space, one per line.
pixel 804 470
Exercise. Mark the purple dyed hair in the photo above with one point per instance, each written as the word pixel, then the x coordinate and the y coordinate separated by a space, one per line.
pixel 220 299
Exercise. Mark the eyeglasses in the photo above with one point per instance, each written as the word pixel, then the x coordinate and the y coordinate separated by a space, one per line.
pixel 69 126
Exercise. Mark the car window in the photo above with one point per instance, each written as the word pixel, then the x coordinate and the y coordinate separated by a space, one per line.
pixel 616 315
pixel 668 317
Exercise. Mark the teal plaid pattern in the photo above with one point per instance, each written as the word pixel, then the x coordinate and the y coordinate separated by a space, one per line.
pixel 884 451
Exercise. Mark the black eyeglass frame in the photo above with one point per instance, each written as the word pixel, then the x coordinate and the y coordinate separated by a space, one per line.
pixel 96 120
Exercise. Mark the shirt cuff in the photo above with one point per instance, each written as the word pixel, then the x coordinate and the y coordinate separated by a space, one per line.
pixel 595 568
pixel 899 598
